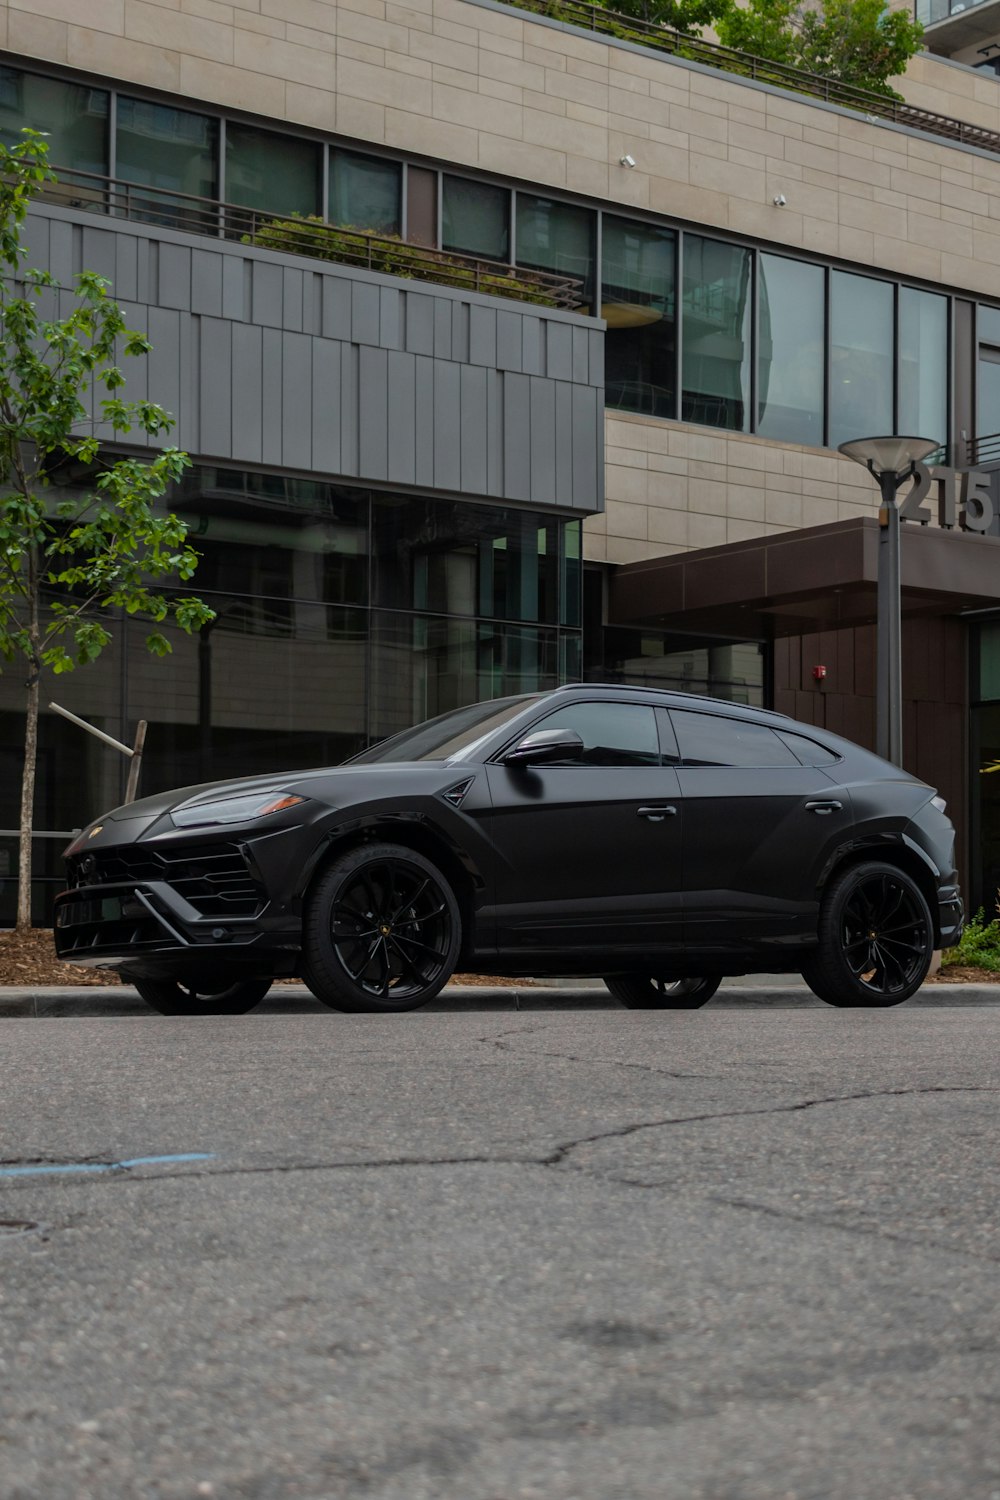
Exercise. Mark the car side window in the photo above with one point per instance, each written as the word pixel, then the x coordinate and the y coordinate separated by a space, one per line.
pixel 808 751
pixel 613 734
pixel 714 740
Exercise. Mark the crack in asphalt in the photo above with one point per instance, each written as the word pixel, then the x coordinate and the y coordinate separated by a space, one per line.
pixel 557 1157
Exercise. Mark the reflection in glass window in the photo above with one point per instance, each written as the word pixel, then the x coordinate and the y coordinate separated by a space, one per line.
pixel 923 364
pixel 638 304
pixel 988 391
pixel 559 237
pixel 654 658
pixel 988 325
pixel 716 339
pixel 711 740
pixel 173 149
pixel 861 365
pixel 73 115
pixel 613 734
pixel 273 172
pixel 365 192
pixel 790 361
pixel 475 218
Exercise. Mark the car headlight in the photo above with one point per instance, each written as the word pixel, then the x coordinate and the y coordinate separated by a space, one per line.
pixel 239 809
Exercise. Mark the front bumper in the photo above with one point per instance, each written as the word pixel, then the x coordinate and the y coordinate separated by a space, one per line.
pixel 951 915
pixel 152 931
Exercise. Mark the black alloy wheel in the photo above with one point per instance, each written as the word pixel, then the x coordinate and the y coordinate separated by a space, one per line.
pixel 382 931
pixel 876 938
pixel 209 998
pixel 650 993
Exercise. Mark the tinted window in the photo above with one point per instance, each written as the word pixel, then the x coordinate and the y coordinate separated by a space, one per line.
pixel 613 734
pixel 710 740
pixel 808 752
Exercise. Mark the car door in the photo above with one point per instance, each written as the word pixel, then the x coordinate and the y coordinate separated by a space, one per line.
pixel 588 851
pixel 757 822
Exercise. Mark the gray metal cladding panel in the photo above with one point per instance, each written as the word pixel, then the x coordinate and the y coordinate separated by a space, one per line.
pixel 271 359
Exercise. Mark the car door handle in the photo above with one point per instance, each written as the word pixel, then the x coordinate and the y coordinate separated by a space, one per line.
pixel 657 814
pixel 823 809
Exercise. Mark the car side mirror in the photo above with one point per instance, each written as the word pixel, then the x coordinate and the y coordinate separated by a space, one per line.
pixel 544 745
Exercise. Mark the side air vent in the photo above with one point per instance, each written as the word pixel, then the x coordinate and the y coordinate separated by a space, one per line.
pixel 456 794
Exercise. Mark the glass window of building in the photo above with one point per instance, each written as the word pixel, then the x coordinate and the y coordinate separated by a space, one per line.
pixel 923 364
pixel 638 303
pixel 861 365
pixel 558 237
pixel 365 192
pixel 988 374
pixel 791 351
pixel 74 116
pixel 718 297
pixel 165 148
pixel 475 218
pixel 269 171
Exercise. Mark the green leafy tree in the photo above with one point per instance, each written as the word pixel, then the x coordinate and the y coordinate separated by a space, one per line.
pixel 857 42
pixel 686 16
pixel 69 567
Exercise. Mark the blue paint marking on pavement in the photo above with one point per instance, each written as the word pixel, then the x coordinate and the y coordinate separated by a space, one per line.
pixel 49 1169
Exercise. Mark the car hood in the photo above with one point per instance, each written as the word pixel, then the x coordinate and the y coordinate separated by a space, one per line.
pixel 352 780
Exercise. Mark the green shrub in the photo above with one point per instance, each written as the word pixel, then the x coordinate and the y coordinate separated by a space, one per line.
pixel 392 256
pixel 980 944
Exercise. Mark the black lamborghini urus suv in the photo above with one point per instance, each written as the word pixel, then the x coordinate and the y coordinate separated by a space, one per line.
pixel 656 839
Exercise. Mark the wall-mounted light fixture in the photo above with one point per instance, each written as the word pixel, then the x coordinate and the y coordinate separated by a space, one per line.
pixel 626 160
pixel 779 200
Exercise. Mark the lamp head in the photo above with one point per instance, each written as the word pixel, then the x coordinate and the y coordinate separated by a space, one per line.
pixel 888 455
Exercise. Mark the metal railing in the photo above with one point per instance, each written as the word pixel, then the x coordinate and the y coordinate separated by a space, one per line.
pixel 745 65
pixel 311 237
pixel 984 450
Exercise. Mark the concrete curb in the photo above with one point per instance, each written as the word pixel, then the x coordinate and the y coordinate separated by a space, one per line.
pixel 23 1001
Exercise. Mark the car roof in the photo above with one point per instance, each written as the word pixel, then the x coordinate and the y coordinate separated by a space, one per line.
pixel 668 699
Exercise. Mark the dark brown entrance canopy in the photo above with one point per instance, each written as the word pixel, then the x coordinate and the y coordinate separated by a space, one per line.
pixel 819 578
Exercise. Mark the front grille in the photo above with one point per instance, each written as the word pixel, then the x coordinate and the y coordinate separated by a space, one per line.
pixel 214 878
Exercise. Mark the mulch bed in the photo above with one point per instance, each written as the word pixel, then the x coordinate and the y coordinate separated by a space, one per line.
pixel 30 959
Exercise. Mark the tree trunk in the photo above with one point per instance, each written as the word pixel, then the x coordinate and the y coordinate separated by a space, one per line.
pixel 30 753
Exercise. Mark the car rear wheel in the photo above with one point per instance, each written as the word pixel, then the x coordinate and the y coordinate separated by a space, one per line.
pixel 209 998
pixel 382 931
pixel 642 993
pixel 876 938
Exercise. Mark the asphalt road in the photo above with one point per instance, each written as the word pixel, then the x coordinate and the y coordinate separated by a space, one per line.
pixel 608 1255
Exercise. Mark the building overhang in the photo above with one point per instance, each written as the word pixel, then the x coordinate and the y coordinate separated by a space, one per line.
pixel 977 21
pixel 819 578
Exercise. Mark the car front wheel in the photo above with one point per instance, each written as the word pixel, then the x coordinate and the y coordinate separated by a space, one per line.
pixel 209 998
pixel 642 993
pixel 382 931
pixel 876 938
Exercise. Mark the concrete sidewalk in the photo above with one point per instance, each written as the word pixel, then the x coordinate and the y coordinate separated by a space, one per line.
pixel 778 991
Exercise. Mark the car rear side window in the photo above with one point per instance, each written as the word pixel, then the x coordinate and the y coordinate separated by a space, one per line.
pixel 713 740
pixel 808 751
pixel 613 734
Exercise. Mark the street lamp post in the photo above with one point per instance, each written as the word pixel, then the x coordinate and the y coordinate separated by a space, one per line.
pixel 890 461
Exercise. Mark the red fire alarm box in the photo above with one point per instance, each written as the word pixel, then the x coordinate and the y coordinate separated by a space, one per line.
pixel 819 673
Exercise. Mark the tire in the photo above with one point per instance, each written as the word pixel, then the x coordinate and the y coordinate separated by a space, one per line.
pixel 650 993
pixel 876 938
pixel 215 998
pixel 382 931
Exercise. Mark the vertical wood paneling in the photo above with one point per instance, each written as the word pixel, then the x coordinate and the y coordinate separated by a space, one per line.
pixel 326 405
pixel 265 362
pixel 373 410
pixel 248 392
pixel 402 417
pixel 473 429
pixel 216 376
pixel 447 399
pixel 296 407
pixel 271 445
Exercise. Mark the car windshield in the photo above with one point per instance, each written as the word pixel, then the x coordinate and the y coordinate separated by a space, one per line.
pixel 447 735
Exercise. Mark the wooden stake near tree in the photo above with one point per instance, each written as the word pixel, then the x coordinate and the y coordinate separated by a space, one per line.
pixel 71 566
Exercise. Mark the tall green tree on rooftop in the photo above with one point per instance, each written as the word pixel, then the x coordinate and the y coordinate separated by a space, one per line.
pixel 73 563
pixel 858 42
pixel 686 16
